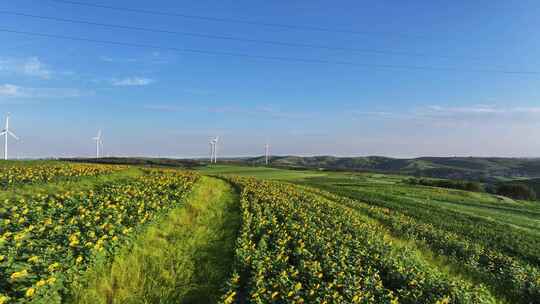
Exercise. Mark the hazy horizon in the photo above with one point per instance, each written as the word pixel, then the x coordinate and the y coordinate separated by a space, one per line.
pixel 226 157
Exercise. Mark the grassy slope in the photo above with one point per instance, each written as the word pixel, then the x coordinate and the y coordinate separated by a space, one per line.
pixel 183 259
pixel 519 218
pixel 523 215
pixel 520 214
pixel 260 172
pixel 475 168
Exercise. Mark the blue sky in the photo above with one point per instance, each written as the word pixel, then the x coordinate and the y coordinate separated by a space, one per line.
pixel 160 102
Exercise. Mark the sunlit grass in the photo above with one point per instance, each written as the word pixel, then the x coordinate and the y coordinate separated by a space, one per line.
pixel 260 172
pixel 185 258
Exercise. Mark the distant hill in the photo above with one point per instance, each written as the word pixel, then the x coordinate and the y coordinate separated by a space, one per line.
pixel 470 168
pixel 484 169
pixel 139 161
pixel 533 184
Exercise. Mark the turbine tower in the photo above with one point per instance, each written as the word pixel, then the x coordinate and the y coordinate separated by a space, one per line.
pixel 99 142
pixel 266 153
pixel 212 150
pixel 6 132
pixel 216 140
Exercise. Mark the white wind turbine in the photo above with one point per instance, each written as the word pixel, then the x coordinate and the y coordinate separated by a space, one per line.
pixel 215 144
pixel 99 142
pixel 266 153
pixel 6 132
pixel 212 146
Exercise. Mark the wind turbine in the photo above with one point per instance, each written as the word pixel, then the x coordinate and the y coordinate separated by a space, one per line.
pixel 212 147
pixel 215 141
pixel 266 153
pixel 6 132
pixel 99 142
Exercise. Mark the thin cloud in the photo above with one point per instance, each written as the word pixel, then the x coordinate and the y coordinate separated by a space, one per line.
pixel 478 110
pixel 132 81
pixel 473 116
pixel 111 59
pixel 162 108
pixel 266 111
pixel 8 91
pixel 379 114
pixel 32 67
pixel 150 58
pixel 263 111
pixel 436 111
pixel 532 110
pixel 199 92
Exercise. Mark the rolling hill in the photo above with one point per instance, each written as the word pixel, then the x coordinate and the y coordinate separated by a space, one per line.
pixel 470 168
pixel 483 169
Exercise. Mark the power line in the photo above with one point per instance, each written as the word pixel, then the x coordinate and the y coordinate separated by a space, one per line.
pixel 275 58
pixel 222 37
pixel 217 19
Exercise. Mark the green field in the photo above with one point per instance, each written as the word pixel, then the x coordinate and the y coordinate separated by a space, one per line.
pixel 441 223
pixel 88 233
pixel 490 169
pixel 393 189
pixel 260 172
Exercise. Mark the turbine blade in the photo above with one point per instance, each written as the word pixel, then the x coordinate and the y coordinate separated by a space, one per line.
pixel 13 135
pixel 3 132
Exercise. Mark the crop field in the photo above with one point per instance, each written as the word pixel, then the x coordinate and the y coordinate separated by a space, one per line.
pixel 46 240
pixel 261 172
pixel 11 174
pixel 481 240
pixel 298 247
pixel 88 233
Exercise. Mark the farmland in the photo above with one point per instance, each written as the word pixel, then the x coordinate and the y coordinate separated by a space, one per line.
pixel 486 240
pixel 11 175
pixel 47 239
pixel 93 233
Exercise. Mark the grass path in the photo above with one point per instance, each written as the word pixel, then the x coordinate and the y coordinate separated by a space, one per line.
pixel 185 258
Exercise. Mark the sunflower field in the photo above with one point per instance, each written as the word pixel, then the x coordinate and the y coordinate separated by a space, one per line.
pixel 16 174
pixel 297 247
pixel 344 238
pixel 46 241
pixel 518 277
